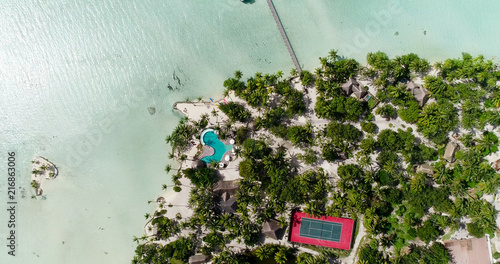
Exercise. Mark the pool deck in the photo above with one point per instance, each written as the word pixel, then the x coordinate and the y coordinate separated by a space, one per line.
pixel 208 150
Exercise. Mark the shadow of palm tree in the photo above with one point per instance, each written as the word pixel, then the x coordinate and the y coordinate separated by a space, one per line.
pixel 294 161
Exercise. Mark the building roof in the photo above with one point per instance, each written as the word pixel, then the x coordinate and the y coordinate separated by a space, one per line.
pixel 228 204
pixel 469 251
pixel 272 229
pixel 198 164
pixel 425 168
pixel 420 94
pixel 198 259
pixel 449 153
pixel 323 231
pixel 226 186
pixel 353 86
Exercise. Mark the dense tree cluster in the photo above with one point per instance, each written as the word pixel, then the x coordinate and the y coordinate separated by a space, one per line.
pixel 468 81
pixel 391 71
pixel 332 104
pixel 235 112
pixel 180 137
pixel 176 252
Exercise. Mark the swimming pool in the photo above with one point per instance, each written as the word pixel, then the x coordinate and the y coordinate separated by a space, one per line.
pixel 208 137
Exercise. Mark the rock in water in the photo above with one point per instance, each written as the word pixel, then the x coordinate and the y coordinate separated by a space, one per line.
pixel 151 110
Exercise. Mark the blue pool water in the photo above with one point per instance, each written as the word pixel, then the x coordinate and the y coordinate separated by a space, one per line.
pixel 210 138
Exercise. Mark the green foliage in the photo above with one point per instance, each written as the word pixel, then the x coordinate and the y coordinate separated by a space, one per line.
pixel 329 153
pixel 483 216
pixel 386 111
pixel 436 86
pixel 166 227
pixel 410 112
pixel 309 157
pixel 435 254
pixel 388 140
pixel 369 254
pixel 242 133
pixel 368 127
pixel 428 232
pixel 177 251
pixel 488 143
pixel 300 135
pixel 306 77
pixel 235 111
pixel 397 69
pixel 467 68
pixel 342 135
pixel 213 241
pixel 255 149
pixel 255 91
pixel 437 120
pixel 180 137
pixel 201 177
pixel 340 108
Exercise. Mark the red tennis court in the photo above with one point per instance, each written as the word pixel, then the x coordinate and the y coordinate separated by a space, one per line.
pixel 324 231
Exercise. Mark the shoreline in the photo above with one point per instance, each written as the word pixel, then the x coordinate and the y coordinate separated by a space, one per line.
pixel 41 170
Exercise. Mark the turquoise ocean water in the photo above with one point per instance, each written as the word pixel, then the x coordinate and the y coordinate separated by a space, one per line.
pixel 77 79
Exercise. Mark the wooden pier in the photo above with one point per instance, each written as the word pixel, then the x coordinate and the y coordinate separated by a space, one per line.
pixel 285 37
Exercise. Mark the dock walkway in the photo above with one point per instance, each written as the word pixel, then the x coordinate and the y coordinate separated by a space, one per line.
pixel 283 34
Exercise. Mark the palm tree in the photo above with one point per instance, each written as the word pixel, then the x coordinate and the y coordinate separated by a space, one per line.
pixel 318 72
pixel 333 55
pixel 279 74
pixel 168 168
pixel 263 253
pixel 281 256
pixel 294 72
pixel 238 74
pixel 147 216
pixel 486 142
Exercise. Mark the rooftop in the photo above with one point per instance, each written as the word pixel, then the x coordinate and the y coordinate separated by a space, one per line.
pixel 420 94
pixel 449 153
pixel 469 251
pixel 353 86
pixel 272 229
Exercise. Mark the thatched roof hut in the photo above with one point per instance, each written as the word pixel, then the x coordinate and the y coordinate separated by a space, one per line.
pixel 272 229
pixel 425 168
pixel 420 94
pixel 226 186
pixel 449 153
pixel 353 86
pixel 198 259
pixel 228 203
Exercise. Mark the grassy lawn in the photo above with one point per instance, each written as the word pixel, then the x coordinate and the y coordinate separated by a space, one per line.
pixel 372 102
